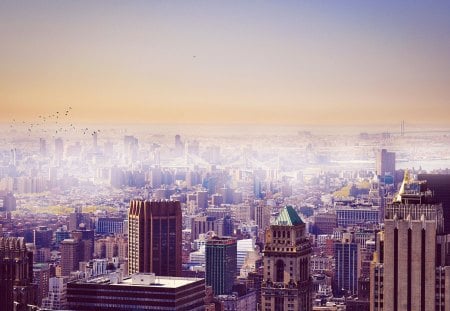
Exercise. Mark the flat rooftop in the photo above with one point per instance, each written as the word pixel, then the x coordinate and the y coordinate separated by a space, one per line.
pixel 141 280
pixel 163 281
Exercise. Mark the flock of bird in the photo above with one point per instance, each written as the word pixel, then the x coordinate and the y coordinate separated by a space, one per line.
pixel 55 123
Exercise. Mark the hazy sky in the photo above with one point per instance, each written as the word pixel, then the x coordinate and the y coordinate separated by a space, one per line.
pixel 315 62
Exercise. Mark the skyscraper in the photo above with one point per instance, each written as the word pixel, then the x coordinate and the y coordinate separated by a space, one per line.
pixel 412 223
pixel 71 255
pixel 286 283
pixel 385 163
pixel 139 292
pixel 154 237
pixel 77 218
pixel 43 237
pixel 262 217
pixel 41 276
pixel 59 149
pixel 221 262
pixel 347 266
pixel 16 275
pixel 439 184
pixel 42 147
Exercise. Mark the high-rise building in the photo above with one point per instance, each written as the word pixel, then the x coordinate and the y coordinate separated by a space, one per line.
pixel 94 140
pixel 202 199
pixel 415 251
pixel 439 184
pixel 85 239
pixel 262 216
pixel 179 146
pixel 70 255
pixel 61 234
pixel 358 215
pixel 8 203
pixel 110 247
pixel 57 294
pixel 42 147
pixel 385 163
pixel 203 224
pixel 77 218
pixel 221 257
pixel 41 276
pixel 43 237
pixel 324 223
pixel 108 225
pixel 286 282
pixel 16 275
pixel 59 149
pixel 244 247
pixel 154 237
pixel 347 263
pixel 139 292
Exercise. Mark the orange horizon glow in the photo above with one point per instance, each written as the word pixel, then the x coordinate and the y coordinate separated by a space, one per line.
pixel 254 63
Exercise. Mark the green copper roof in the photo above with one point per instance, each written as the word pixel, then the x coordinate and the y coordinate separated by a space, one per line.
pixel 288 217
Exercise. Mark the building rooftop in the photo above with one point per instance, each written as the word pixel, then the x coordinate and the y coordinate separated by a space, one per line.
pixel 288 217
pixel 140 280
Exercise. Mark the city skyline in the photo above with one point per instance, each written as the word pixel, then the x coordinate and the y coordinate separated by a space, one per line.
pixel 229 63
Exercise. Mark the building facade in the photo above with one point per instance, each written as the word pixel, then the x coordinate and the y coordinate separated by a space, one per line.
pixel 140 292
pixel 16 275
pixel 286 282
pixel 412 271
pixel 347 263
pixel 154 237
pixel 221 263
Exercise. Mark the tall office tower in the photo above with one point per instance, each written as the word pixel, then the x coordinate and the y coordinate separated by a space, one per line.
pixel 59 149
pixel 154 237
pixel 202 199
pixel 179 146
pixel 108 225
pixel 221 257
pixel 385 163
pixel 77 218
pixel 139 292
pixel 262 216
pixel 286 283
pixel 94 140
pixel 70 256
pixel 42 147
pixel 227 194
pixel 110 247
pixel 8 203
pixel 257 187
pixel 57 294
pixel 203 224
pixel 193 147
pixel 41 276
pixel 216 200
pixel 43 237
pixel 376 274
pixel 85 239
pixel 347 262
pixel 439 184
pixel 61 234
pixel 412 223
pixel 16 275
